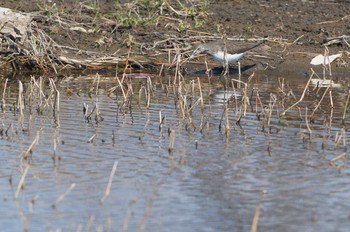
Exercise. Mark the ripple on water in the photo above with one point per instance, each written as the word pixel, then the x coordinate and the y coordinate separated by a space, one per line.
pixel 212 181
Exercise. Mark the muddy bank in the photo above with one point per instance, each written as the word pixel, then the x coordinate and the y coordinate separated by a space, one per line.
pixel 148 35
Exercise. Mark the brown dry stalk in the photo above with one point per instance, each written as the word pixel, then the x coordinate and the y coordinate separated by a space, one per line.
pixel 227 121
pixel 254 227
pixel 338 137
pixel 97 81
pixel 3 96
pixel 56 104
pixel 91 139
pixel 346 106
pixel 122 88
pixel 331 98
pixel 320 101
pixel 334 21
pixel 21 182
pixel 200 94
pixel 128 215
pixel 63 195
pixel 239 74
pixel 332 161
pixel 273 100
pixel 20 98
pixel 343 131
pixel 307 123
pixel 109 185
pixel 149 90
pixel 302 95
pixel 28 151
pixel 245 97
pixel 235 97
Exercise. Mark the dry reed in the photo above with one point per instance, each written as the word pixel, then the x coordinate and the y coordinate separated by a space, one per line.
pixel 109 185
pixel 63 195
pixel 21 182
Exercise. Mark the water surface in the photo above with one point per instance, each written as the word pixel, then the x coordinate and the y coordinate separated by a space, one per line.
pixel 211 180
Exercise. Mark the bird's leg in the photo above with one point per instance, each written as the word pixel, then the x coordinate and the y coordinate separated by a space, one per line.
pixel 225 62
pixel 226 65
pixel 227 68
pixel 239 74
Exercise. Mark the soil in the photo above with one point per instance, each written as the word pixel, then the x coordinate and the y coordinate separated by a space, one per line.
pixel 293 28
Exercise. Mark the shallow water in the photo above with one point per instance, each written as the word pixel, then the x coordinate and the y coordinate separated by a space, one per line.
pixel 210 181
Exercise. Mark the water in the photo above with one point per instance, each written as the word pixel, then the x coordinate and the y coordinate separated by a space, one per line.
pixel 211 181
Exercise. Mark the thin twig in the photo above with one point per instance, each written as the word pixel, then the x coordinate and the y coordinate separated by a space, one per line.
pixel 109 185
pixel 21 182
pixel 254 227
pixel 62 196
pixel 302 95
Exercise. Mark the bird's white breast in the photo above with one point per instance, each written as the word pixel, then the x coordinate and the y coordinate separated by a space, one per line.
pixel 220 56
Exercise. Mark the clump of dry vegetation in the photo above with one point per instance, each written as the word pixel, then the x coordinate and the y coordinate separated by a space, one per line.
pixel 90 36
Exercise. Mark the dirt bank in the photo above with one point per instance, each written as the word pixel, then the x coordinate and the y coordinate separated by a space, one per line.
pixel 151 30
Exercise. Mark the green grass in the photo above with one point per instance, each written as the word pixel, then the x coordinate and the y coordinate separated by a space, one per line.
pixel 145 12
